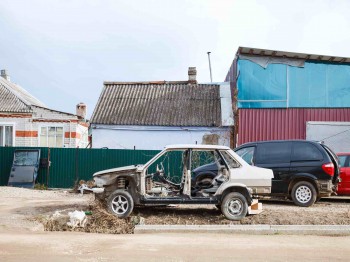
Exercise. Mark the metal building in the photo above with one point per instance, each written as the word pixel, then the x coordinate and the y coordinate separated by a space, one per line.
pixel 279 95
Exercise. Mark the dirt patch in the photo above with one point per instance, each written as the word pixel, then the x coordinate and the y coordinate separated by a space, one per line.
pixel 274 213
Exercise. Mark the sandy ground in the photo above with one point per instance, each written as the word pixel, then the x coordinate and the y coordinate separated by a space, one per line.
pixel 68 246
pixel 23 238
pixel 23 208
pixel 19 207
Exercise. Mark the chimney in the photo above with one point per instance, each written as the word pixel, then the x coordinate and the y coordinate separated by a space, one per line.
pixel 5 75
pixel 81 110
pixel 192 74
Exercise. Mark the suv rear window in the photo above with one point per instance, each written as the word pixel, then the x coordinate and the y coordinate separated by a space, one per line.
pixel 268 153
pixel 306 152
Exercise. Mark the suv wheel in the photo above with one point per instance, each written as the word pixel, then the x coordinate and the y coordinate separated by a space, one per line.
pixel 304 194
pixel 120 203
pixel 234 206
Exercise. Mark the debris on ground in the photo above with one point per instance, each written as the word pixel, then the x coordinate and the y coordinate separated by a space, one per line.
pixel 77 219
pixel 98 221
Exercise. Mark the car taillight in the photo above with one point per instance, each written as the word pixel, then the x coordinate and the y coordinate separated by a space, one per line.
pixel 328 168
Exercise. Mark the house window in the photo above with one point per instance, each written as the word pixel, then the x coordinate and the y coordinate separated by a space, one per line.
pixel 51 136
pixel 6 135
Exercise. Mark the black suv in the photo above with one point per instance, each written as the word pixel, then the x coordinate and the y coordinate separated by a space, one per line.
pixel 304 171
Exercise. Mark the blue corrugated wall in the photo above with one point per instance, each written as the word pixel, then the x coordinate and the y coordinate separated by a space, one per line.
pixel 317 84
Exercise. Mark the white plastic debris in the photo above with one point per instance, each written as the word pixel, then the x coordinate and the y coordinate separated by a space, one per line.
pixel 77 219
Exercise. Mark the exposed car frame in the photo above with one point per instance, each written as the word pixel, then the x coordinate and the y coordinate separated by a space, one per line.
pixel 231 190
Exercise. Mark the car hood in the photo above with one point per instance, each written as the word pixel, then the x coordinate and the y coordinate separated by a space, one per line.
pixel 116 170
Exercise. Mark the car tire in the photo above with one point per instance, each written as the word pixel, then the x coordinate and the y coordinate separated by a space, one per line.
pixel 304 194
pixel 204 181
pixel 120 203
pixel 234 206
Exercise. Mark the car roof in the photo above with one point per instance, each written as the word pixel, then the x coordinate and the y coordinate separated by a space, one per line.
pixel 279 141
pixel 193 146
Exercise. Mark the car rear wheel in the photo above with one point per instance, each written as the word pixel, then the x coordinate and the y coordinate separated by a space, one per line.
pixel 304 194
pixel 120 203
pixel 234 206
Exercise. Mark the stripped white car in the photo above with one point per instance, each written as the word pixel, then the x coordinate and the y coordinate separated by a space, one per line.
pixel 168 179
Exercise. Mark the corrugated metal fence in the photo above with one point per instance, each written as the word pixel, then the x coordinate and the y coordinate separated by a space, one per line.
pixel 283 123
pixel 69 165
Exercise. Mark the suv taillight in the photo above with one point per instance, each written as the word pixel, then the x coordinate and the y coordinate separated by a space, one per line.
pixel 328 168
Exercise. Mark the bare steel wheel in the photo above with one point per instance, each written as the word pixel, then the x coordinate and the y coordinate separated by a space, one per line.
pixel 234 206
pixel 120 203
pixel 304 194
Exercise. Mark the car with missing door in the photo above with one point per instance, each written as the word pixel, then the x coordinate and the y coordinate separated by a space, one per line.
pixel 167 179
pixel 304 171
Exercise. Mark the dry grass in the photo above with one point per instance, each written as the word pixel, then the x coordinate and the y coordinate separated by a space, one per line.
pixel 99 222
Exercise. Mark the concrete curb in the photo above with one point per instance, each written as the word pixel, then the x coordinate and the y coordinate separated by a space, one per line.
pixel 320 230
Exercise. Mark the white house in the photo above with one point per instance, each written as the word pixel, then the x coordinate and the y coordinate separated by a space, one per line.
pixel 150 115
pixel 27 122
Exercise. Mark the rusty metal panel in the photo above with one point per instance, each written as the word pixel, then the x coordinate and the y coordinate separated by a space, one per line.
pixel 284 54
pixel 281 123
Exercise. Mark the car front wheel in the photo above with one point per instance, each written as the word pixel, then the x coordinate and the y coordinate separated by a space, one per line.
pixel 234 206
pixel 304 194
pixel 120 203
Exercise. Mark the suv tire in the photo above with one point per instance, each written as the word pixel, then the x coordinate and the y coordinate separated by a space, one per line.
pixel 234 206
pixel 120 203
pixel 304 194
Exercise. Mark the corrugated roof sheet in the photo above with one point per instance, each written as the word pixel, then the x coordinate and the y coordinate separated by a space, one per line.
pixel 14 98
pixel 275 53
pixel 158 104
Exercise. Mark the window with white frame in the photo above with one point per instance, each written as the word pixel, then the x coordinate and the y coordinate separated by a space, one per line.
pixel 51 136
pixel 6 135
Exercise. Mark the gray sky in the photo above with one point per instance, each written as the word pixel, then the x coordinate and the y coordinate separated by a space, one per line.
pixel 62 51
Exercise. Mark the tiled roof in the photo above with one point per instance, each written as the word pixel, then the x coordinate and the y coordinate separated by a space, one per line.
pixel 14 98
pixel 158 104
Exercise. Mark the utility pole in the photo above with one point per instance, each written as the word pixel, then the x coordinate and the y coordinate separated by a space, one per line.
pixel 211 78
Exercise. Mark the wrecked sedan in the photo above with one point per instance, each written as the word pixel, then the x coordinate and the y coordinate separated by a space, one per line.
pixel 166 179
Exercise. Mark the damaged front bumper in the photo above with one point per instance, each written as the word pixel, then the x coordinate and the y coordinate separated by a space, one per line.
pixel 96 190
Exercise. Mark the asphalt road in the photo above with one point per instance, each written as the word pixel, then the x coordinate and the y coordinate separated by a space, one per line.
pixel 66 246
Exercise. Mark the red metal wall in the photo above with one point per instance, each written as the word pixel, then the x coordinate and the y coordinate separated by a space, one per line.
pixel 281 123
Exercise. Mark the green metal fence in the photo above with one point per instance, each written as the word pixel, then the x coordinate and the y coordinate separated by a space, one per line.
pixel 69 165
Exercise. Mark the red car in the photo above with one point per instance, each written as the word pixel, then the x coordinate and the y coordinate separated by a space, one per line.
pixel 344 185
